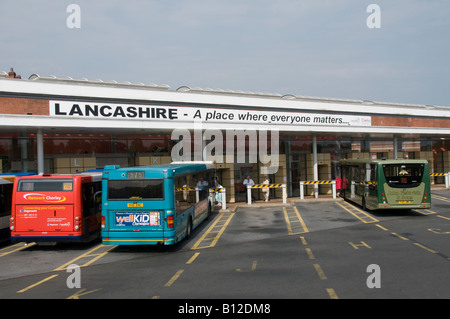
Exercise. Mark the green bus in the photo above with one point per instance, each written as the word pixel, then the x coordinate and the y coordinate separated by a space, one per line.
pixel 386 184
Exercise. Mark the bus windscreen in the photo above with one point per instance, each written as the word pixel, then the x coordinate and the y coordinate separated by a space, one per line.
pixel 148 189
pixel 401 175
pixel 50 185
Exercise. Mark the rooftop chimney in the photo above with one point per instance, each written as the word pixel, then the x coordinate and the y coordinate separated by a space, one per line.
pixel 12 74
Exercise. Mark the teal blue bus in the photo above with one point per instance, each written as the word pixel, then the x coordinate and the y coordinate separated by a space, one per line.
pixel 386 184
pixel 154 205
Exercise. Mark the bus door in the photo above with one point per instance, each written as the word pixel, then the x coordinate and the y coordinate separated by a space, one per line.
pixel 44 205
pixel 136 206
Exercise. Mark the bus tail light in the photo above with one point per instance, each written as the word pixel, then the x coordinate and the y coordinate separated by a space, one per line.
pixel 11 223
pixel 170 221
pixel 103 221
pixel 77 224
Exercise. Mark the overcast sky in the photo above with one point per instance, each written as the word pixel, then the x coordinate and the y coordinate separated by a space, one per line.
pixel 320 48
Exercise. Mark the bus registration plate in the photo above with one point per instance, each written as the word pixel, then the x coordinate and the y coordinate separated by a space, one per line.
pixel 404 202
pixel 135 204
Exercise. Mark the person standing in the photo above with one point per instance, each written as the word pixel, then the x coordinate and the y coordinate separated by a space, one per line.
pixel 248 181
pixel 202 186
pixel 266 190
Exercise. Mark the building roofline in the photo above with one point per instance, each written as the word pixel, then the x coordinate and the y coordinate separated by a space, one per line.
pixel 54 86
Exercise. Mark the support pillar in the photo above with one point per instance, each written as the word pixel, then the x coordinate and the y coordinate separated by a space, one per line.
pixel 40 151
pixel 315 167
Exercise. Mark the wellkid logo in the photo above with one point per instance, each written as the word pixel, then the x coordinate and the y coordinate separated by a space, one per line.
pixel 43 197
pixel 134 219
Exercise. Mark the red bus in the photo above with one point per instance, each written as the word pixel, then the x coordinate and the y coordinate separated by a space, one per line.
pixel 56 208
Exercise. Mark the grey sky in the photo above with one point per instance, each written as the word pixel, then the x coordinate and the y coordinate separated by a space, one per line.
pixel 303 47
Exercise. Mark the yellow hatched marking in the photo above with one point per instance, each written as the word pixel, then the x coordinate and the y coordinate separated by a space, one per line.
pixel 14 248
pixel 221 222
pixel 294 217
pixel 358 213
pixel 36 284
pixel 88 254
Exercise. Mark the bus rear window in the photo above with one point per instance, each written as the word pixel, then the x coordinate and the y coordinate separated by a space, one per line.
pixel 45 185
pixel 403 175
pixel 136 189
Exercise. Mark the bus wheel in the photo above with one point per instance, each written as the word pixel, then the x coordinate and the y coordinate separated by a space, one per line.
pixel 189 228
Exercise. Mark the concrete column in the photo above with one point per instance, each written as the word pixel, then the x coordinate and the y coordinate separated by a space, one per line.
pixel 40 151
pixel 315 167
pixel 395 148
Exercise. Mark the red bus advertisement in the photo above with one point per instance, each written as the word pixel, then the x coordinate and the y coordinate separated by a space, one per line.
pixel 56 208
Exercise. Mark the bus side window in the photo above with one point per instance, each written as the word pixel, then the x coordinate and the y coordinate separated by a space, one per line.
pixel 184 198
pixel 373 173
pixel 90 205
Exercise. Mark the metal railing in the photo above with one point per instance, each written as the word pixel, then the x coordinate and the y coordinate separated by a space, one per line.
pixel 260 186
pixel 316 193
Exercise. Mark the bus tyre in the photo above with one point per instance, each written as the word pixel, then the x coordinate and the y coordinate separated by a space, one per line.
pixel 189 228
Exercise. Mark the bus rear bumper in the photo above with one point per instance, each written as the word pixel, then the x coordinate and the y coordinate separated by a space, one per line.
pixel 405 206
pixel 61 238
pixel 141 239
pixel 49 239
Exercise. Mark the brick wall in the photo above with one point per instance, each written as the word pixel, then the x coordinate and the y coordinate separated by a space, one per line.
pixel 410 122
pixel 22 106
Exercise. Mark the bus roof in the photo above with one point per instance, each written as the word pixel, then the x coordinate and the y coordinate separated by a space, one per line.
pixel 383 161
pixel 96 175
pixel 6 179
pixel 164 170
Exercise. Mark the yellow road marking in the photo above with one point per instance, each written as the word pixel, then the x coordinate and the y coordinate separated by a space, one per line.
pixel 399 236
pixel 37 284
pixel 255 262
pixel 442 198
pixel 310 254
pixel 424 211
pixel 320 272
pixel 359 211
pixel 379 226
pixel 16 247
pixel 356 246
pixel 332 293
pixel 82 292
pixel 175 277
pixel 304 242
pixel 299 219
pixel 191 260
pixel 212 231
pixel 86 255
pixel 426 248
